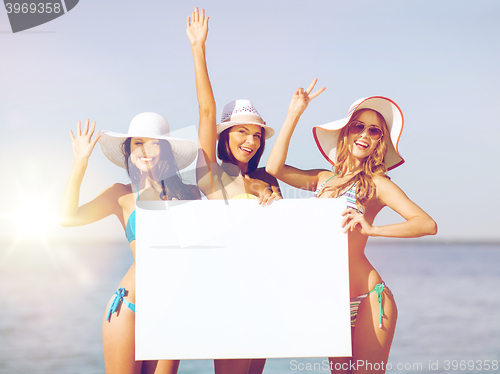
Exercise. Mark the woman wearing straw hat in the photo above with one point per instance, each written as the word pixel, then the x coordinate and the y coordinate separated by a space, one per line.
pixel 241 136
pixel 361 147
pixel 152 160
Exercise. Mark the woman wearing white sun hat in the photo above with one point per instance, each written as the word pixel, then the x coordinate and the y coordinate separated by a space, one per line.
pixel 361 147
pixel 241 135
pixel 152 159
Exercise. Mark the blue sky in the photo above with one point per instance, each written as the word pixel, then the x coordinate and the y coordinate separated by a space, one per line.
pixel 109 61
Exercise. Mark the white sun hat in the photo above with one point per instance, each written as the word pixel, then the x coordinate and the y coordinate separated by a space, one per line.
pixel 327 135
pixel 241 112
pixel 147 125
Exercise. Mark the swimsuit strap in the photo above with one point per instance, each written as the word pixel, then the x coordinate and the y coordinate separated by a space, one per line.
pixel 130 226
pixel 350 194
pixel 379 288
pixel 320 187
pixel 118 298
pixel 334 175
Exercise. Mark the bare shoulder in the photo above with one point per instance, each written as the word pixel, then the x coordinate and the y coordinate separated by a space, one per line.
pixel 323 174
pixel 382 181
pixel 122 194
pixel 387 190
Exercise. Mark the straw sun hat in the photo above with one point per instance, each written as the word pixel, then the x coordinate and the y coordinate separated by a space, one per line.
pixel 327 135
pixel 146 125
pixel 241 112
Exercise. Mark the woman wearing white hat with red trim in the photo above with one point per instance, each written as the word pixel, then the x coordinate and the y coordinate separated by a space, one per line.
pixel 241 136
pixel 361 147
pixel 152 159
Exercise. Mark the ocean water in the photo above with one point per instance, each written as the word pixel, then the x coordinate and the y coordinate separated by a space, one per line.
pixel 52 300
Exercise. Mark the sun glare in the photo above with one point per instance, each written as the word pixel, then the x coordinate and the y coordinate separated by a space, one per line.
pixel 32 219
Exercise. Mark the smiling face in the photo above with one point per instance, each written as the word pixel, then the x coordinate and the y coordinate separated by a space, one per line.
pixel 145 153
pixel 244 142
pixel 362 144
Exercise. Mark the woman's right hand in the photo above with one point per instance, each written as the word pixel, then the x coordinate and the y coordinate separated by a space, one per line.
pixel 83 144
pixel 301 99
pixel 197 27
pixel 70 211
pixel 197 30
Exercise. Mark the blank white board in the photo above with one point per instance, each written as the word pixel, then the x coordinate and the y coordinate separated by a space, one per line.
pixel 232 279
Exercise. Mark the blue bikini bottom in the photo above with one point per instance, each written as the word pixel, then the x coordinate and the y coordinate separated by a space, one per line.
pixel 117 300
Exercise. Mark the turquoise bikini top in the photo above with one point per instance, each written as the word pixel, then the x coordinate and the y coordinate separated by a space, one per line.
pixel 130 228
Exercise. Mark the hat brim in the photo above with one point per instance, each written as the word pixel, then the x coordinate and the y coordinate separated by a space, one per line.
pixel 327 135
pixel 225 125
pixel 184 150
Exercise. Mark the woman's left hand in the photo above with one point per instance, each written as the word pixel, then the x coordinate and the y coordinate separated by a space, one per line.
pixel 269 197
pixel 355 220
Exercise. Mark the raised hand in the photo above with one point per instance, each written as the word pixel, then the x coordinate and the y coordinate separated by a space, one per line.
pixel 197 27
pixel 83 144
pixel 301 98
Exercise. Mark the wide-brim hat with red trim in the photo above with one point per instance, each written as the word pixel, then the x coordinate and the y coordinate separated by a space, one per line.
pixel 241 112
pixel 327 135
pixel 147 125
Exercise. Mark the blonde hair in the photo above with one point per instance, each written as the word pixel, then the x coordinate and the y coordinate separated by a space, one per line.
pixel 371 166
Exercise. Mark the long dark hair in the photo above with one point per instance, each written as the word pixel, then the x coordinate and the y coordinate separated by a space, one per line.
pixel 168 172
pixel 224 152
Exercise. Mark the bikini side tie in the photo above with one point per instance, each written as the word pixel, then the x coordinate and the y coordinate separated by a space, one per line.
pixel 118 298
pixel 379 288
